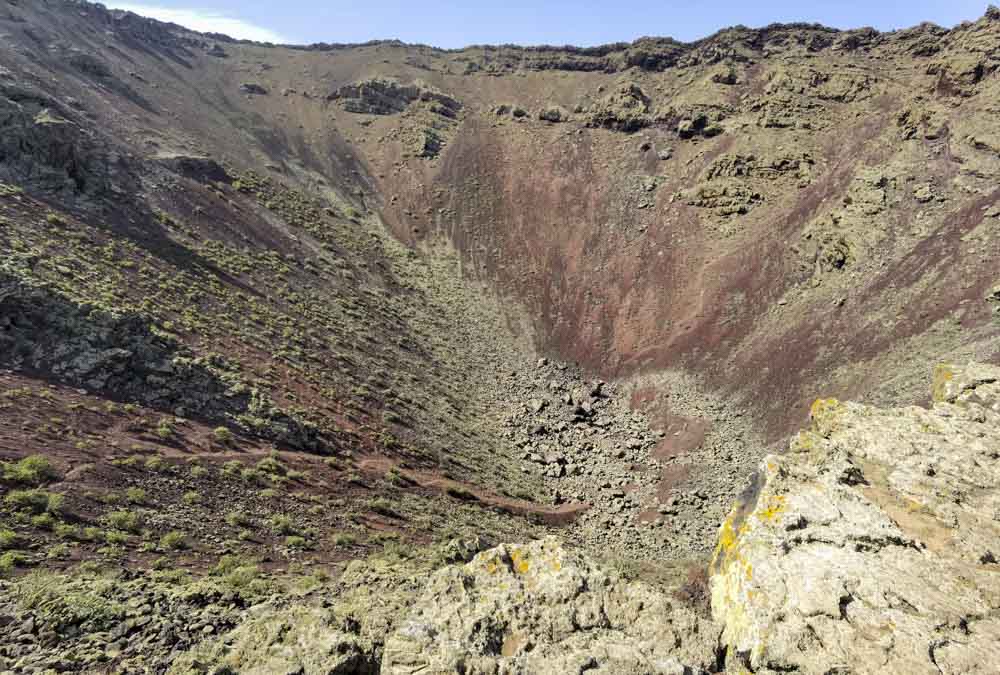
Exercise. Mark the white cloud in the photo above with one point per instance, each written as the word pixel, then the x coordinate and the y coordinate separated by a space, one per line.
pixel 203 21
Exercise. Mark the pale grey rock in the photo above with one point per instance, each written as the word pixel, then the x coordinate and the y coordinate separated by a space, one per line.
pixel 866 548
pixel 539 608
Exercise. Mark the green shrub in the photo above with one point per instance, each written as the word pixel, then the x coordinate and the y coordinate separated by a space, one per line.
pixel 173 541
pixel 91 533
pixel 271 466
pixel 127 521
pixel 253 476
pixel 237 519
pixel 33 470
pixel 57 551
pixel 164 429
pixel 10 560
pixel 232 468
pixel 8 539
pixel 198 471
pixel 223 435
pixel 282 524
pixel 235 572
pixel 345 539
pixel 66 531
pixel 115 538
pixel 36 501
pixel 135 495
pixel 191 498
pixel 43 521
pixel 295 541
pixel 157 463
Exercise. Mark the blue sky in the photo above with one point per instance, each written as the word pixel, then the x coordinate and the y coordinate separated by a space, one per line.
pixel 444 23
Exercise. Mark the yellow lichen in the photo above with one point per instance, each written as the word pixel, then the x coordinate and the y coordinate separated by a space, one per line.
pixel 943 374
pixel 519 562
pixel 776 504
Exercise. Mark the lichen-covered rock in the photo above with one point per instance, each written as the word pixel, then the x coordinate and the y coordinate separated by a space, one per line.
pixel 626 108
pixel 388 97
pixel 872 545
pixel 538 608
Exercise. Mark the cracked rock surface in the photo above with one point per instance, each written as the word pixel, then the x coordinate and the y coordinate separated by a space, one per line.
pixel 871 546
pixel 540 608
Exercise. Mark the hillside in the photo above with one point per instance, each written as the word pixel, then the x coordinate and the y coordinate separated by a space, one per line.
pixel 277 319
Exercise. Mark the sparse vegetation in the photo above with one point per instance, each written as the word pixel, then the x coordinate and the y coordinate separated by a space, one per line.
pixel 8 539
pixel 35 501
pixel 126 521
pixel 282 524
pixel 12 559
pixel 173 541
pixel 33 471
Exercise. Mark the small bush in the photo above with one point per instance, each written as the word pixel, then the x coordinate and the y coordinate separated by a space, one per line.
pixel 43 521
pixel 198 471
pixel 157 463
pixel 135 495
pixel 91 533
pixel 115 538
pixel 235 572
pixel 232 468
pixel 10 560
pixel 191 498
pixel 272 466
pixel 173 541
pixel 57 551
pixel 237 519
pixel 33 470
pixel 283 525
pixel 66 531
pixel 295 541
pixel 164 429
pixel 344 539
pixel 223 435
pixel 127 521
pixel 383 506
pixel 8 539
pixel 36 501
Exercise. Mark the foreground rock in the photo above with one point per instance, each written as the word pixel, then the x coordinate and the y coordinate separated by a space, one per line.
pixel 539 608
pixel 535 608
pixel 872 545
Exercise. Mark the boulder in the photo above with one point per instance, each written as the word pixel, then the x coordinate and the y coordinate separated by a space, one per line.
pixel 253 89
pixel 869 546
pixel 553 113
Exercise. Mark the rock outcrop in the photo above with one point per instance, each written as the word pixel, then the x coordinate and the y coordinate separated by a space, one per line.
pixel 539 608
pixel 871 546
pixel 533 608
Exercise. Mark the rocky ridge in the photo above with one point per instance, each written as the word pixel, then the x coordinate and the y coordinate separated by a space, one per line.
pixel 871 545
